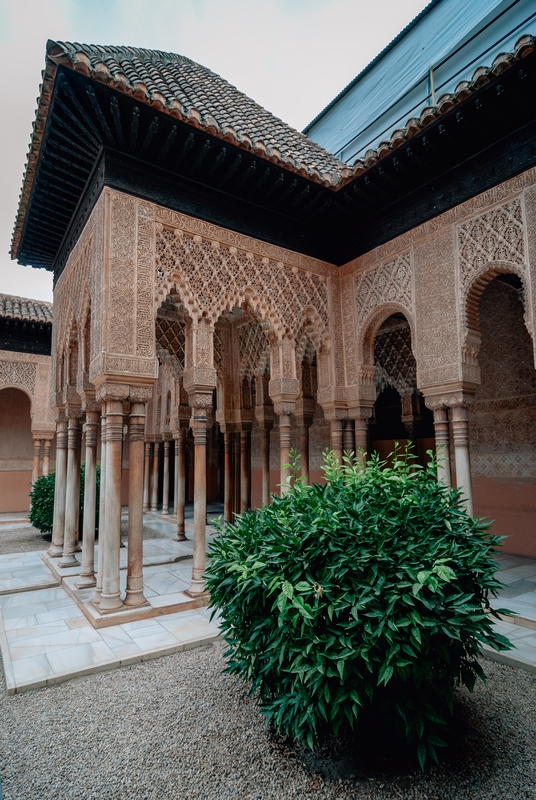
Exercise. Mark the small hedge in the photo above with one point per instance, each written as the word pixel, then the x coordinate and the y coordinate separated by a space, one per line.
pixel 41 513
pixel 364 598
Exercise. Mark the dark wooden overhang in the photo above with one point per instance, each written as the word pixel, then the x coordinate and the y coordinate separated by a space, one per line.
pixel 96 136
pixel 25 336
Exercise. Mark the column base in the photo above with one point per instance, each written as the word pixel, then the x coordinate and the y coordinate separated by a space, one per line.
pixel 110 602
pixel 135 598
pixel 55 551
pixel 197 588
pixel 164 513
pixel 68 561
pixel 180 537
pixel 154 509
pixel 86 582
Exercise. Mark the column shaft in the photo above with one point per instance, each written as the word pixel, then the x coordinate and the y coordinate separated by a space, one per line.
pixel 72 495
pixel 348 436
pixel 180 449
pixel 244 434
pixel 227 478
pixel 87 572
pixel 265 466
pixel 146 476
pixel 460 430
pixel 165 488
pixel 46 457
pixel 304 455
pixel 110 540
pixel 134 594
pixel 197 586
pixel 360 434
pixel 441 429
pixel 60 484
pixel 36 459
pixel 284 450
pixel 236 473
pixel 336 438
pixel 154 477
pixel 102 512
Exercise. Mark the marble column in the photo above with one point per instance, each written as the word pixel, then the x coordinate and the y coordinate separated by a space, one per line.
pixel 199 425
pixel 110 540
pixel 102 512
pixel 244 441
pixel 266 465
pixel 146 476
pixel 460 430
pixel 305 424
pixel 335 426
pixel 36 459
pixel 46 456
pixel 165 487
pixel 227 477
pixel 72 493
pixel 360 436
pixel 284 450
pixel 87 571
pixel 442 440
pixel 134 594
pixel 154 477
pixel 348 437
pixel 236 472
pixel 60 483
pixel 180 500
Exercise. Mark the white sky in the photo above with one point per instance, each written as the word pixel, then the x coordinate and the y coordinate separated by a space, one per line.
pixel 291 56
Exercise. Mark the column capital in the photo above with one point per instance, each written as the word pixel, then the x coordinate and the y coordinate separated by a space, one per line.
pixel 448 398
pixel 110 390
pixel 284 389
pixel 73 411
pixel 199 379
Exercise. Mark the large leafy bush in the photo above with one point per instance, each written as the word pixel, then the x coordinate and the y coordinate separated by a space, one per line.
pixel 366 597
pixel 42 501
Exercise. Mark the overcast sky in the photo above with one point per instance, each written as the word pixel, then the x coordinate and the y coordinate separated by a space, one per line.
pixel 291 56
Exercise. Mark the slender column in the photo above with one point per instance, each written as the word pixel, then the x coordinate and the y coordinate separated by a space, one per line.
pixel 236 473
pixel 441 429
pixel 110 541
pixel 87 572
pixel 175 478
pixel 360 434
pixel 135 595
pixel 77 547
pixel 284 450
pixel 180 450
pixel 154 478
pixel 336 438
pixel 102 513
pixel 348 436
pixel 244 436
pixel 304 449
pixel 165 489
pixel 265 466
pixel 460 429
pixel 197 586
pixel 36 459
pixel 72 493
pixel 146 476
pixel 60 483
pixel 227 477
pixel 46 457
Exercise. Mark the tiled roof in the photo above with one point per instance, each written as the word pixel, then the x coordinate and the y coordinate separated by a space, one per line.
pixel 25 309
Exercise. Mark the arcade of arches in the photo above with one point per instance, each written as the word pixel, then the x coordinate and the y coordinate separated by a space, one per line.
pixel 194 358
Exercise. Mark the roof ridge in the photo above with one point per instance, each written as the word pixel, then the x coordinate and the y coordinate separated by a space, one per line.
pixel 26 299
pixel 146 53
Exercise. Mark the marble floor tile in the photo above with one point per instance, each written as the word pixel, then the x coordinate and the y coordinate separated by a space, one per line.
pixel 192 628
pixel 32 669
pixel 133 628
pixel 114 636
pixel 60 613
pixel 154 640
pixel 517 587
pixel 81 657
pixel 126 650
pixel 19 622
pixel 170 599
pixel 30 632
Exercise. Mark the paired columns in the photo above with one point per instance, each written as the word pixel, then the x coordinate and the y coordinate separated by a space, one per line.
pixel 46 444
pixel 180 483
pixel 87 572
pixel 60 482
pixel 72 489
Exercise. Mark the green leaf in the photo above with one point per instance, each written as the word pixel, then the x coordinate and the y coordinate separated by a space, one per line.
pixel 287 588
pixel 302 586
pixel 445 573
pixel 386 674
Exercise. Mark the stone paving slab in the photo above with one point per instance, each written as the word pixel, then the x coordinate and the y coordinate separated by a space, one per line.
pixel 45 639
pixel 524 654
pixel 20 572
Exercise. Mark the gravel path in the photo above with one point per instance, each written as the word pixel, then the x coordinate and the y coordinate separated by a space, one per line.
pixel 177 728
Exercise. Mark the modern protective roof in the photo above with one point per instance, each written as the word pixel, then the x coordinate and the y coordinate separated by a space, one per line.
pixel 23 308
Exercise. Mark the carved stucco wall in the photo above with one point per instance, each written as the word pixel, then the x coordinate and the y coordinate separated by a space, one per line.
pixel 32 374
pixel 503 416
pixel 433 274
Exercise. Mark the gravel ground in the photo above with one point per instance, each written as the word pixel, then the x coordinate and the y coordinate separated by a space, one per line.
pixel 177 728
pixel 24 539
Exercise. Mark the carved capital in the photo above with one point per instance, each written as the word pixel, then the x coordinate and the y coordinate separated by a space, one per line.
pixel 453 399
pixel 284 409
pixel 281 389
pixel 199 379
pixel 73 411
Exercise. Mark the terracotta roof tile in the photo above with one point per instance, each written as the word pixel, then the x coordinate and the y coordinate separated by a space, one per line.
pixel 12 307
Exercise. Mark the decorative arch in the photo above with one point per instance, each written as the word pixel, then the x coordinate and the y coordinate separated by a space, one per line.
pixel 372 324
pixel 484 276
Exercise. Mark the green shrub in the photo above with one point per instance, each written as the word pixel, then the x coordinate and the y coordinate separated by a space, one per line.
pixel 364 598
pixel 41 513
